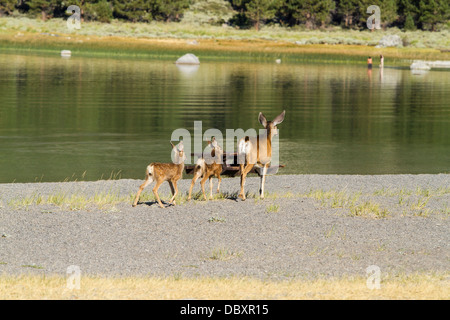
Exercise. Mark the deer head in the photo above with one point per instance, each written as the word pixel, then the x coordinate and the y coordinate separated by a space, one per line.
pixel 271 126
pixel 216 151
pixel 179 156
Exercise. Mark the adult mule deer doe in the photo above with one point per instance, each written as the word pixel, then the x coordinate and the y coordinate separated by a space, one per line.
pixel 257 151
pixel 208 167
pixel 160 172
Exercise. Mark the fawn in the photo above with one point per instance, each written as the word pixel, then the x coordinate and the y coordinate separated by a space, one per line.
pixel 160 172
pixel 208 168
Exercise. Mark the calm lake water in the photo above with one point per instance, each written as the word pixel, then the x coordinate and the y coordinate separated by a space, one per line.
pixel 83 118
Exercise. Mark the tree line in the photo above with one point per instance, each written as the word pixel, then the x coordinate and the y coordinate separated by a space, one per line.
pixel 312 14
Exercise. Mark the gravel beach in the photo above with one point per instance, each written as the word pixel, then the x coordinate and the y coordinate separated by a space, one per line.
pixel 308 226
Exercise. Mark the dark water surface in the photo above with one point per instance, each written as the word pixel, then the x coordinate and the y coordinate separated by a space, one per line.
pixel 83 118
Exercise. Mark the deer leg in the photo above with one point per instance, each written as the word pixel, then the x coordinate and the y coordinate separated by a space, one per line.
pixel 218 185
pixel 242 179
pixel 202 183
pixel 148 180
pixel 174 185
pixel 210 188
pixel 192 185
pixel 171 189
pixel 244 172
pixel 263 180
pixel 155 192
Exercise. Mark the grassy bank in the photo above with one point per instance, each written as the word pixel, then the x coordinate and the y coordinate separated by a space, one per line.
pixel 383 203
pixel 418 286
pixel 170 40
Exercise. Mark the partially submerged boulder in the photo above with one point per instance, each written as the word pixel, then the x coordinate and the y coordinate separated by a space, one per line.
pixel 66 53
pixel 419 65
pixel 188 58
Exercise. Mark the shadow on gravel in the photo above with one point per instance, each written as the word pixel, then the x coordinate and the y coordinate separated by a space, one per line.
pixel 152 203
pixel 199 197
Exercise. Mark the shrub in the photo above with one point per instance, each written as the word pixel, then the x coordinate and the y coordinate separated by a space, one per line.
pixel 100 11
pixel 215 12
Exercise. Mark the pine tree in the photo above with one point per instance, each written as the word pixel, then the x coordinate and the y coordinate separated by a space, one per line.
pixel 324 9
pixel 132 10
pixel 258 11
pixel 168 10
pixel 98 10
pixel 388 11
pixel 312 13
pixel 347 10
pixel 7 6
pixel 240 18
pixel 409 23
pixel 408 11
pixel 433 12
pixel 45 7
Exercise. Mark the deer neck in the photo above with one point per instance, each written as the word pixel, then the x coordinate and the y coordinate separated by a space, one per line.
pixel 180 167
pixel 179 164
pixel 265 140
pixel 269 142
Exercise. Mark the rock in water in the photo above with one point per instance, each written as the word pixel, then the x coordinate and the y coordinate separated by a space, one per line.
pixel 419 65
pixel 188 59
pixel 66 53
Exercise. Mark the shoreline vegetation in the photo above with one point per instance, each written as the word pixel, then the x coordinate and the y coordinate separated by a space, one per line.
pixel 376 203
pixel 160 40
pixel 404 202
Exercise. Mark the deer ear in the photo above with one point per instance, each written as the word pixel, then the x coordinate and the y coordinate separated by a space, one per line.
pixel 180 146
pixel 262 120
pixel 279 119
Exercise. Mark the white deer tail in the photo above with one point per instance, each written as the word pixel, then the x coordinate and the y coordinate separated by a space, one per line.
pixel 201 165
pixel 243 147
pixel 149 170
pixel 244 150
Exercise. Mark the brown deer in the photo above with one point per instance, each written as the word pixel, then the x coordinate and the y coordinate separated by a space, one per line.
pixel 208 168
pixel 257 151
pixel 160 172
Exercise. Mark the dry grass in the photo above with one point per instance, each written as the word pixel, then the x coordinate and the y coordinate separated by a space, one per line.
pixel 210 48
pixel 162 40
pixel 72 202
pixel 354 204
pixel 55 287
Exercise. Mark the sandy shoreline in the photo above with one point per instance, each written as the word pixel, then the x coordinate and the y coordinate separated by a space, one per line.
pixel 308 226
